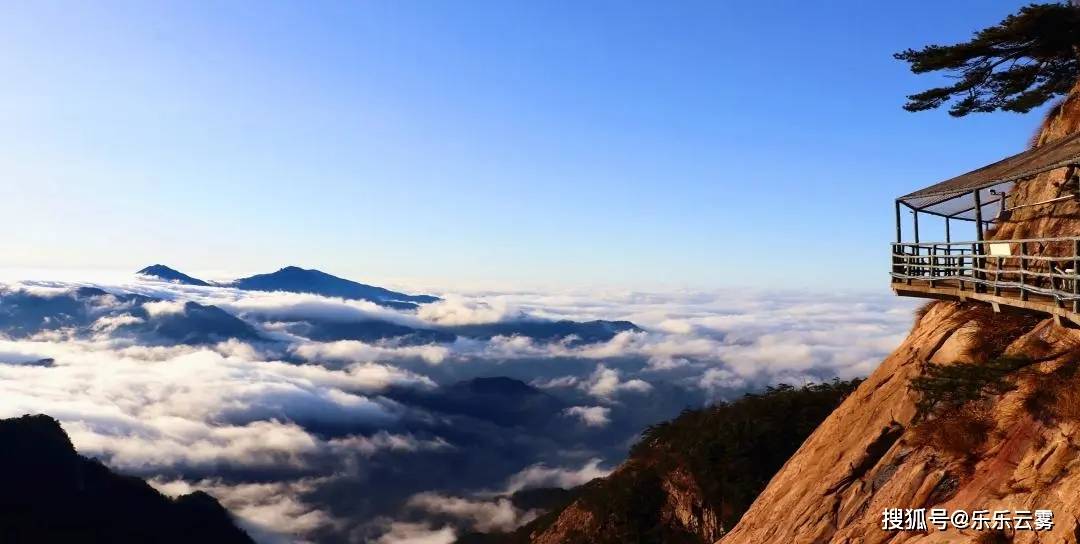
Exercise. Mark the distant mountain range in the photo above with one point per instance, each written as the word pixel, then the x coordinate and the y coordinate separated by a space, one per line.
pixel 51 494
pixel 89 310
pixel 298 280
pixel 92 311
pixel 294 279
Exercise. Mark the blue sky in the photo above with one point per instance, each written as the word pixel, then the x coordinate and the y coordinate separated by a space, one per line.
pixel 645 144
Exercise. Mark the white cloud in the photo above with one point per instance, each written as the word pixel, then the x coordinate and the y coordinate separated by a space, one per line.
pixel 47 290
pixel 239 349
pixel 541 475
pixel 164 307
pixel 355 350
pixel 561 381
pixel 760 336
pixel 271 512
pixel 606 382
pixel 592 416
pixel 155 408
pixel 416 533
pixel 481 515
pixel 720 378
pixel 346 448
pixel 455 310
pixel 109 323
pixel 299 306
pixel 163 443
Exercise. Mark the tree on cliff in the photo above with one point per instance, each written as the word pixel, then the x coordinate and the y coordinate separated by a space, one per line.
pixel 711 463
pixel 1019 64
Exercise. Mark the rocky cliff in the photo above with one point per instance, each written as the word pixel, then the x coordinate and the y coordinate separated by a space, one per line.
pixel 1055 219
pixel 974 411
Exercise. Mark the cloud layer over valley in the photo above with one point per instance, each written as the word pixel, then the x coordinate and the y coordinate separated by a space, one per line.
pixel 330 419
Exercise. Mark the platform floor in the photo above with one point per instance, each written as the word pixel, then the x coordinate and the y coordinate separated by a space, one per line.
pixel 1005 298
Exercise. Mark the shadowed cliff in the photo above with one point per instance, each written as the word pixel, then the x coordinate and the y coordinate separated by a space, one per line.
pixel 52 494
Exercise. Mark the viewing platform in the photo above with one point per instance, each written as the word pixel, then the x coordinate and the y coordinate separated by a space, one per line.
pixel 1038 274
pixel 1035 274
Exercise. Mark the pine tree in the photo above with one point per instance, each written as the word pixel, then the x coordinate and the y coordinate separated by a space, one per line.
pixel 1019 64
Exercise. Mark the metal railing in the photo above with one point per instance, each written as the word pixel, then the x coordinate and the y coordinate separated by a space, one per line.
pixel 1046 267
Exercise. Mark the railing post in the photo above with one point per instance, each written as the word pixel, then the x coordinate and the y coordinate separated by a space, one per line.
pixel 997 276
pixel 956 264
pixel 1023 269
pixel 947 271
pixel 978 216
pixel 979 238
pixel 933 263
pixel 899 238
pixel 907 266
pixel 897 261
pixel 1075 271
pixel 975 268
pixel 892 267
pixel 959 267
pixel 918 269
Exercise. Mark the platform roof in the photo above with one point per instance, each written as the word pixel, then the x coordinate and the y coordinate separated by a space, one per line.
pixel 954 197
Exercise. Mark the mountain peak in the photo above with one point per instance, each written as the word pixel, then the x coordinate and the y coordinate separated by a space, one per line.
pixel 163 272
pixel 37 431
pixel 300 280
pixel 295 279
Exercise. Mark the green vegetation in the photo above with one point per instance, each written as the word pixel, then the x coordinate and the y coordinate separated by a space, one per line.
pixel 734 449
pixel 728 451
pixel 1019 64
pixel 1055 395
pixel 993 332
pixel 955 401
pixel 629 504
pixel 945 388
pixel 959 431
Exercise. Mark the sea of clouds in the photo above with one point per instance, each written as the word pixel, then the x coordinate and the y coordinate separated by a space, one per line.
pixel 303 440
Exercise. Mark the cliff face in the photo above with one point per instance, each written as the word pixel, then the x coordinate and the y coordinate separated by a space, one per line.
pixel 1056 219
pixel 670 507
pixel 1014 445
